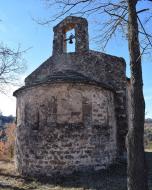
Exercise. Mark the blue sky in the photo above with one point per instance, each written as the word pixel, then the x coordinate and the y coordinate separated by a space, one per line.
pixel 18 27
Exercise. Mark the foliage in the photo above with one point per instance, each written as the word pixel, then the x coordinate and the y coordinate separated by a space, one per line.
pixel 7 142
pixel 148 120
pixel 5 120
pixel 148 136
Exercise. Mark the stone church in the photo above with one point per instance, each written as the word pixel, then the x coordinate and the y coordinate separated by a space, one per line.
pixel 72 111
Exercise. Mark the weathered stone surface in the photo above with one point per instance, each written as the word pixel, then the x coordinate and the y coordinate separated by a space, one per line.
pixel 64 127
pixel 72 111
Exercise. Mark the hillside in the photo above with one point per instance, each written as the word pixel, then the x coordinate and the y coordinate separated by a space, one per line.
pixel 148 135
pixel 148 123
pixel 5 120
pixel 148 120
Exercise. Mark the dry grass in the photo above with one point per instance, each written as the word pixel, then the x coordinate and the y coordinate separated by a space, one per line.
pixel 112 179
pixel 148 136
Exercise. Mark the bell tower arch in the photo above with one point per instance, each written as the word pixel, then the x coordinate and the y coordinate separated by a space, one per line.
pixel 80 25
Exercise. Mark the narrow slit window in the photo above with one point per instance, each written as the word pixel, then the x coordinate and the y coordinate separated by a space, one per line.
pixel 70 42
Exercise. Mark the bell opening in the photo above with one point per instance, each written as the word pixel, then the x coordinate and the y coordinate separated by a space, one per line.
pixel 70 42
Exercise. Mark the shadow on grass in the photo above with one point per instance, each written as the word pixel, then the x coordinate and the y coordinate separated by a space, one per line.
pixel 149 164
pixel 3 186
pixel 113 178
pixel 2 173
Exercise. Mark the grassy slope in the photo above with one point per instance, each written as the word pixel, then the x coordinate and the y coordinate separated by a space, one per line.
pixel 148 135
pixel 112 179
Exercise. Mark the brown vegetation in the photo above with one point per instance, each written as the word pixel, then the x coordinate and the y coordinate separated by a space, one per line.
pixel 148 136
pixel 7 142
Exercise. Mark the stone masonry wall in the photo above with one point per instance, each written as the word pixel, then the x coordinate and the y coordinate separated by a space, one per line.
pixel 65 127
pixel 97 66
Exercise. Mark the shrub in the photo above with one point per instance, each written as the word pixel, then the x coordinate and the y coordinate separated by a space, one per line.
pixel 7 142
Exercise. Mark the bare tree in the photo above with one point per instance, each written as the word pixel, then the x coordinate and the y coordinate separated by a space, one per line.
pixel 137 174
pixel 11 66
pixel 122 16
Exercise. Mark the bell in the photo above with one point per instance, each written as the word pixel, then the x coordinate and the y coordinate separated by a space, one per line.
pixel 70 41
